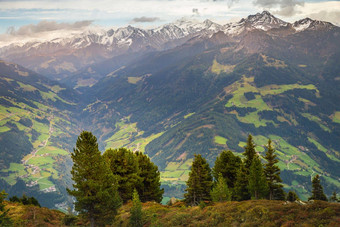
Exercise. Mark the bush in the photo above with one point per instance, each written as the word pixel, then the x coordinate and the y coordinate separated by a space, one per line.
pixel 202 204
pixel 69 220
pixel 292 196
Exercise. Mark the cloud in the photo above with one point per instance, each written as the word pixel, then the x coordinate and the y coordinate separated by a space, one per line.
pixel 333 16
pixel 229 2
pixel 280 7
pixel 144 19
pixel 195 11
pixel 47 26
pixel 43 31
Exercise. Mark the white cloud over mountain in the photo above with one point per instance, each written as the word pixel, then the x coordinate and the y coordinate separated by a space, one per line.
pixel 153 12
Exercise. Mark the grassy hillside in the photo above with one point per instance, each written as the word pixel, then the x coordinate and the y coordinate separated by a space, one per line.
pixel 246 213
pixel 29 215
pixel 213 99
pixel 35 134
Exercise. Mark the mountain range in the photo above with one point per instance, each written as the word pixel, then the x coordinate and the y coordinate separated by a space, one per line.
pixel 183 88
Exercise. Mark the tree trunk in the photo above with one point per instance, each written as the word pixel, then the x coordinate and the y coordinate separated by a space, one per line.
pixel 271 195
pixel 92 221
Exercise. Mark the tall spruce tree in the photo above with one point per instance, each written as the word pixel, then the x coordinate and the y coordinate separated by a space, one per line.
pixel 94 188
pixel 150 186
pixel 124 164
pixel 272 172
pixel 199 183
pixel 257 183
pixel 136 211
pixel 249 153
pixel 240 191
pixel 317 191
pixel 220 191
pixel 227 164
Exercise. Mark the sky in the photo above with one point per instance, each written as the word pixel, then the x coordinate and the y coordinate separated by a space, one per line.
pixel 32 17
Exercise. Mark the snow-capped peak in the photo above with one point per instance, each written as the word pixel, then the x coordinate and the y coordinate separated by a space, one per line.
pixel 263 21
pixel 308 23
pixel 302 24
pixel 210 25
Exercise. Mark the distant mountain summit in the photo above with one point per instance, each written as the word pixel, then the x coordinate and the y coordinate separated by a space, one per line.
pixel 309 24
pixel 60 57
pixel 263 21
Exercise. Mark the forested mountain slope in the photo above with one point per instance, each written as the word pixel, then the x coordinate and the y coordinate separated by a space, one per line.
pixel 263 77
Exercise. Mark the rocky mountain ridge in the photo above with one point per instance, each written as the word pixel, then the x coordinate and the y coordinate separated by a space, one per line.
pixel 61 56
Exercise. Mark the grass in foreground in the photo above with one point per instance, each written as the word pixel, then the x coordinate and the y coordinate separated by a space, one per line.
pixel 246 213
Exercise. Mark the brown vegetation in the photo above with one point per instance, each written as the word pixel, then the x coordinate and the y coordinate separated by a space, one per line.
pixel 29 215
pixel 245 213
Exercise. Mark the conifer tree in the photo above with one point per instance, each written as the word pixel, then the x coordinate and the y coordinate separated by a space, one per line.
pixel 317 191
pixel 333 197
pixel 249 153
pixel 292 196
pixel 199 183
pixel 227 164
pixel 257 183
pixel 220 191
pixel 136 211
pixel 240 191
pixel 150 186
pixel 94 188
pixel 272 172
pixel 4 219
pixel 124 164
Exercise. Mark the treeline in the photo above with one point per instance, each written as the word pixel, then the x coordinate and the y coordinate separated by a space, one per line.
pixel 25 200
pixel 102 182
pixel 233 178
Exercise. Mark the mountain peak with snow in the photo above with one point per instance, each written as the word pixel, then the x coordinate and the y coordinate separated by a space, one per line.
pixel 310 24
pixel 99 43
pixel 263 21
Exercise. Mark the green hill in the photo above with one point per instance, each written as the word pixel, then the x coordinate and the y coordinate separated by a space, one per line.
pixel 36 134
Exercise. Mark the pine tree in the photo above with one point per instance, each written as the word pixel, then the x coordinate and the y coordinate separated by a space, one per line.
pixel 317 191
pixel 94 188
pixel 249 153
pixel 227 164
pixel 272 172
pixel 257 183
pixel 124 164
pixel 292 196
pixel 4 219
pixel 199 183
pixel 149 187
pixel 240 191
pixel 136 211
pixel 220 191
pixel 333 197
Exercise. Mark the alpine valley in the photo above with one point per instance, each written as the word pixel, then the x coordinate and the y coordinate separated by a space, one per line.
pixel 171 92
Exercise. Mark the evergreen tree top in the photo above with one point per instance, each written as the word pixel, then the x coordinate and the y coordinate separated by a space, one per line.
pixel 317 191
pixel 249 152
